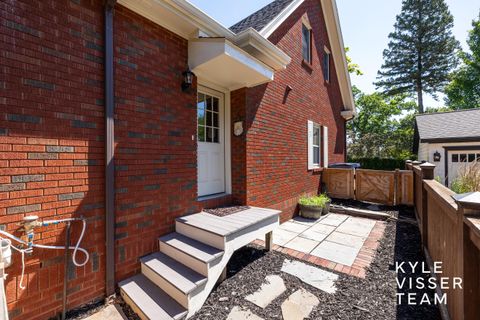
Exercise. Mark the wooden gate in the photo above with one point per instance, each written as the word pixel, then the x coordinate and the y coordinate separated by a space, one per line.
pixel 375 186
pixel 339 183
pixel 385 187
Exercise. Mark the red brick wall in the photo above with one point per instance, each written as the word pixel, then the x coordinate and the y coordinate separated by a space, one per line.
pixel 51 145
pixel 155 155
pixel 276 140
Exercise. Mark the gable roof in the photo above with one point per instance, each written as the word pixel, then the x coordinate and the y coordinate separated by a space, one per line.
pixel 266 20
pixel 463 125
pixel 259 19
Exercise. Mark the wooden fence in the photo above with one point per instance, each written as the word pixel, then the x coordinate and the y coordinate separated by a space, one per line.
pixel 386 187
pixel 450 231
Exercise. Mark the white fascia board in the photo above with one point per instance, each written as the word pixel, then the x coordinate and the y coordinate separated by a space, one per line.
pixel 334 31
pixel 280 18
pixel 240 55
pixel 251 37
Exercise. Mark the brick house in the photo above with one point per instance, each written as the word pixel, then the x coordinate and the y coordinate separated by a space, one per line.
pixel 98 120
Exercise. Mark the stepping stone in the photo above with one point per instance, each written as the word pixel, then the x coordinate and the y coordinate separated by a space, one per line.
pixel 302 244
pixel 311 275
pixel 299 305
pixel 269 291
pixel 238 313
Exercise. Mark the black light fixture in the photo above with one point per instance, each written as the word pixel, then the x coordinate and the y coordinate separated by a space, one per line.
pixel 437 156
pixel 187 79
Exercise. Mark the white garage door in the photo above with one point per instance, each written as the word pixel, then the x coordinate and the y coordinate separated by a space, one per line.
pixel 458 160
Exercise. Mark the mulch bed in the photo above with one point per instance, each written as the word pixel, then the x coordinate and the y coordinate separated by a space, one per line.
pixel 370 298
pixel 225 211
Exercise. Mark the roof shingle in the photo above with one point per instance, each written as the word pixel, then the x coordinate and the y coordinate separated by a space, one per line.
pixel 258 20
pixel 464 124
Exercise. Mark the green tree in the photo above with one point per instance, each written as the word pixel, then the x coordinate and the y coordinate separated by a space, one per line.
pixel 353 68
pixel 383 126
pixel 463 92
pixel 421 52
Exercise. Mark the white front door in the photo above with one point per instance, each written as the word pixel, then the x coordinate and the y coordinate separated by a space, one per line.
pixel 211 142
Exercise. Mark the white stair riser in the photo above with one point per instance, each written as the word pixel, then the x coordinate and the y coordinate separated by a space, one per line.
pixel 134 307
pixel 200 235
pixel 185 259
pixel 166 286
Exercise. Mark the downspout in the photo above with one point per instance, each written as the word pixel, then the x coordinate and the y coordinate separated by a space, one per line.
pixel 109 152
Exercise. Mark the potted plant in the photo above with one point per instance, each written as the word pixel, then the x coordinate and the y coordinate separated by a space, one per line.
pixel 314 207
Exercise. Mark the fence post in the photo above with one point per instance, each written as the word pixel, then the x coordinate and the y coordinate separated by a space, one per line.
pixel 469 268
pixel 427 174
pixel 408 165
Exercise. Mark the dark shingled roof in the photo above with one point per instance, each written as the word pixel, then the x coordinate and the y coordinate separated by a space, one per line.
pixel 258 20
pixel 464 124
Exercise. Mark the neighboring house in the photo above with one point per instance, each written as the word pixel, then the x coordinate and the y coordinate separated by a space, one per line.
pixel 98 120
pixel 449 140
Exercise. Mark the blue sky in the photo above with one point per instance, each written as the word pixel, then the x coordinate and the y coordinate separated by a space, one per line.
pixel 365 27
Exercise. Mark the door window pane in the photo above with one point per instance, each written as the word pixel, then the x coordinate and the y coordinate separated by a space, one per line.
pixel 471 157
pixel 216 137
pixel 201 116
pixel 209 118
pixel 209 137
pixel 454 157
pixel 201 133
pixel 463 157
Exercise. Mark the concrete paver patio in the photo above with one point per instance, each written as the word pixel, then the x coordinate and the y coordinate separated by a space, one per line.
pixel 336 241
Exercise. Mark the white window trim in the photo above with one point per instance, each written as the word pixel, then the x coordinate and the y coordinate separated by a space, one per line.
pixel 310 36
pixel 310 129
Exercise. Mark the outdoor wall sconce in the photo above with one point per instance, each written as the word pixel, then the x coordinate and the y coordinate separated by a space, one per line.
pixel 187 79
pixel 437 156
pixel 238 128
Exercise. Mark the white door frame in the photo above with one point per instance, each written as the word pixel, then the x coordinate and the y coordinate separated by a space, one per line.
pixel 208 86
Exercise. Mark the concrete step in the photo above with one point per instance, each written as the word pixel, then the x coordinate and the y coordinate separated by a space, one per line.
pixel 177 280
pixel 149 301
pixel 194 254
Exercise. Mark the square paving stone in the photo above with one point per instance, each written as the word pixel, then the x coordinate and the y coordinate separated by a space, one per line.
pixel 280 236
pixel 346 239
pixel 322 228
pixel 299 305
pixel 357 227
pixel 302 244
pixel 293 227
pixel 336 252
pixel 314 235
pixel 334 219
pixel 305 221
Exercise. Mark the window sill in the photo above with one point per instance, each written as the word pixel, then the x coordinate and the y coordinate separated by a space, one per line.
pixel 316 170
pixel 307 65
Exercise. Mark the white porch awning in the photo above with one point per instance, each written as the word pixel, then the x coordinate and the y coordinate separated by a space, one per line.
pixel 221 62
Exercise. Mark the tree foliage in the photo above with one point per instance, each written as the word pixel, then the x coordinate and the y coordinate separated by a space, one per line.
pixel 463 92
pixel 353 68
pixel 383 127
pixel 421 52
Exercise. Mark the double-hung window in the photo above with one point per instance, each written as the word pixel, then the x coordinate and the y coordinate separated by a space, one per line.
pixel 326 65
pixel 317 138
pixel 307 44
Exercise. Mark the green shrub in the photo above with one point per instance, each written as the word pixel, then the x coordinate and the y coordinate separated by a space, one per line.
pixel 319 201
pixel 468 179
pixel 379 163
